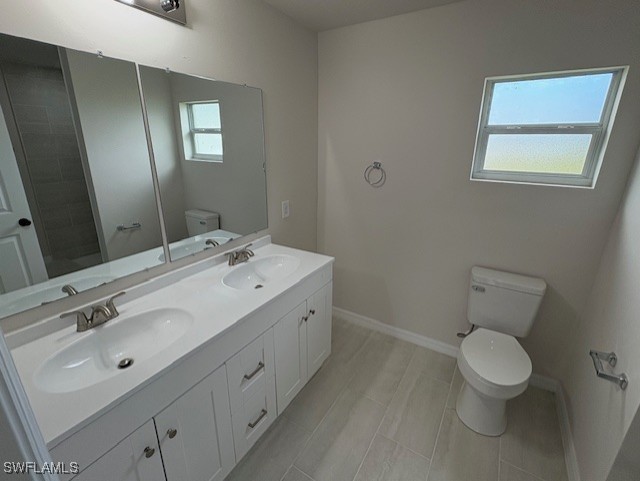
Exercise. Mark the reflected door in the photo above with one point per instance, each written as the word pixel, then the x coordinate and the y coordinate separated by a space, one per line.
pixel 21 262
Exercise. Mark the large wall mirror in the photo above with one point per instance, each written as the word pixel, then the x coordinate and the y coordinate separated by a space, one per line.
pixel 208 145
pixel 77 201
pixel 78 207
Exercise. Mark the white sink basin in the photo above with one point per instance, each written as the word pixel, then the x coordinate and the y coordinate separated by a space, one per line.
pixel 256 273
pixel 95 356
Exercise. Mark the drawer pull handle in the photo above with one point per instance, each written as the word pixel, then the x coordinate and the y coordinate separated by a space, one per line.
pixel 312 312
pixel 172 433
pixel 248 377
pixel 148 452
pixel 255 423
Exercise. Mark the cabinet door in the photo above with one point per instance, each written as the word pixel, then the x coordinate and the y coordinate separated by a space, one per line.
pixel 136 458
pixel 195 433
pixel 290 347
pixel 318 328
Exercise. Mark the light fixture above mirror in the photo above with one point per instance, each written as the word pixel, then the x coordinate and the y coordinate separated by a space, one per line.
pixel 173 10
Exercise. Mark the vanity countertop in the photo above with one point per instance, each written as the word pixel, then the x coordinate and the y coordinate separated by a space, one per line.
pixel 214 307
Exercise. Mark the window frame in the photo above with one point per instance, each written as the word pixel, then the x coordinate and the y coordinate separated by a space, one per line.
pixel 193 131
pixel 599 132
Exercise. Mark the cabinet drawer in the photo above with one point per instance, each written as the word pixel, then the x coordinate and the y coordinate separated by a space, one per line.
pixel 248 370
pixel 253 418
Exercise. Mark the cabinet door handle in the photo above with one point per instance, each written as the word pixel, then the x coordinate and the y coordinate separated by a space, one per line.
pixel 148 452
pixel 255 423
pixel 172 433
pixel 255 371
pixel 312 312
pixel 305 318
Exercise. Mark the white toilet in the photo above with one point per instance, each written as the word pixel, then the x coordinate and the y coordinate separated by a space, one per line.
pixel 494 366
pixel 201 221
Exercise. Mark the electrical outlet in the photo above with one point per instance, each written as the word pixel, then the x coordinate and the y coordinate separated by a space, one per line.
pixel 285 209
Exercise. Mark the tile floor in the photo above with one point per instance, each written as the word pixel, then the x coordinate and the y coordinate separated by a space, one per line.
pixel 384 409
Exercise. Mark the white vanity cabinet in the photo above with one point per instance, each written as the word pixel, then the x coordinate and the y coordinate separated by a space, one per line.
pixel 190 440
pixel 302 341
pixel 318 328
pixel 252 392
pixel 195 436
pixel 199 416
pixel 136 458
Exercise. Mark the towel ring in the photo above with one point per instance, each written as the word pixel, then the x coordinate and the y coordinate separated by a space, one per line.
pixel 376 166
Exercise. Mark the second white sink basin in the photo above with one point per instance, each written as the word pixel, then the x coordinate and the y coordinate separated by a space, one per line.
pixel 96 356
pixel 258 272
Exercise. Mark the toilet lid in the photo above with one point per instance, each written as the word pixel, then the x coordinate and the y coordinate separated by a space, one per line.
pixel 496 357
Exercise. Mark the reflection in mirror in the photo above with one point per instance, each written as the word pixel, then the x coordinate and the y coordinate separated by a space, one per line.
pixel 208 144
pixel 77 203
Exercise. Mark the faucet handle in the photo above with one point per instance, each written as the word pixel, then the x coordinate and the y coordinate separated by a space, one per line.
pixel 249 251
pixel 100 314
pixel 111 306
pixel 69 290
pixel 82 321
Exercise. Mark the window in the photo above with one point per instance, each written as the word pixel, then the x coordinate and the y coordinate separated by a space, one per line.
pixel 205 131
pixel 546 129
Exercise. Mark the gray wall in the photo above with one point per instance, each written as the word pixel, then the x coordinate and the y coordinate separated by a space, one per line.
pixel 235 187
pixel 407 91
pixel 157 94
pixel 59 198
pixel 600 413
pixel 108 102
pixel 627 464
pixel 241 41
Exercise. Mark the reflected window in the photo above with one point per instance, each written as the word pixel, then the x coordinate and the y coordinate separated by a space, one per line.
pixel 546 129
pixel 205 131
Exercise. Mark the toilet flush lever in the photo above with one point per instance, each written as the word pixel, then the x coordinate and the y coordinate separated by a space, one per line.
pixel 465 334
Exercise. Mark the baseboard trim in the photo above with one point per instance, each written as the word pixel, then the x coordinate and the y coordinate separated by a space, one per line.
pixel 537 380
pixel 396 332
pixel 544 382
pixel 570 457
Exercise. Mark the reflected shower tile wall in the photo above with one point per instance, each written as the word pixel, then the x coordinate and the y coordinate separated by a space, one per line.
pixel 41 107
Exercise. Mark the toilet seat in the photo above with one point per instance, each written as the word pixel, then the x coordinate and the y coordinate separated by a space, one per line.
pixel 494 363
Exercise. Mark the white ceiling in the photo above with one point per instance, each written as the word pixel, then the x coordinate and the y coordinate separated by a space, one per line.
pixel 326 14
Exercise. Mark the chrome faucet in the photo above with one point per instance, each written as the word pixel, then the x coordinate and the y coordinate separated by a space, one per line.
pixel 211 242
pixel 99 314
pixel 69 289
pixel 240 256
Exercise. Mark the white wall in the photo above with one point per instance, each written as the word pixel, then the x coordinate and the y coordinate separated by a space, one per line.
pixel 406 91
pixel 627 464
pixel 241 41
pixel 600 413
pixel 108 103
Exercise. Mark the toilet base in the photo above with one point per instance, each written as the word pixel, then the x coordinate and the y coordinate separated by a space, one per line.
pixel 480 413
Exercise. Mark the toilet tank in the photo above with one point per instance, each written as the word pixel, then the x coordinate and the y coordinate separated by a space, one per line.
pixel 504 302
pixel 201 221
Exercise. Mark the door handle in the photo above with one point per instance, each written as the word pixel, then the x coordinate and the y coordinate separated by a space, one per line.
pixel 24 222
